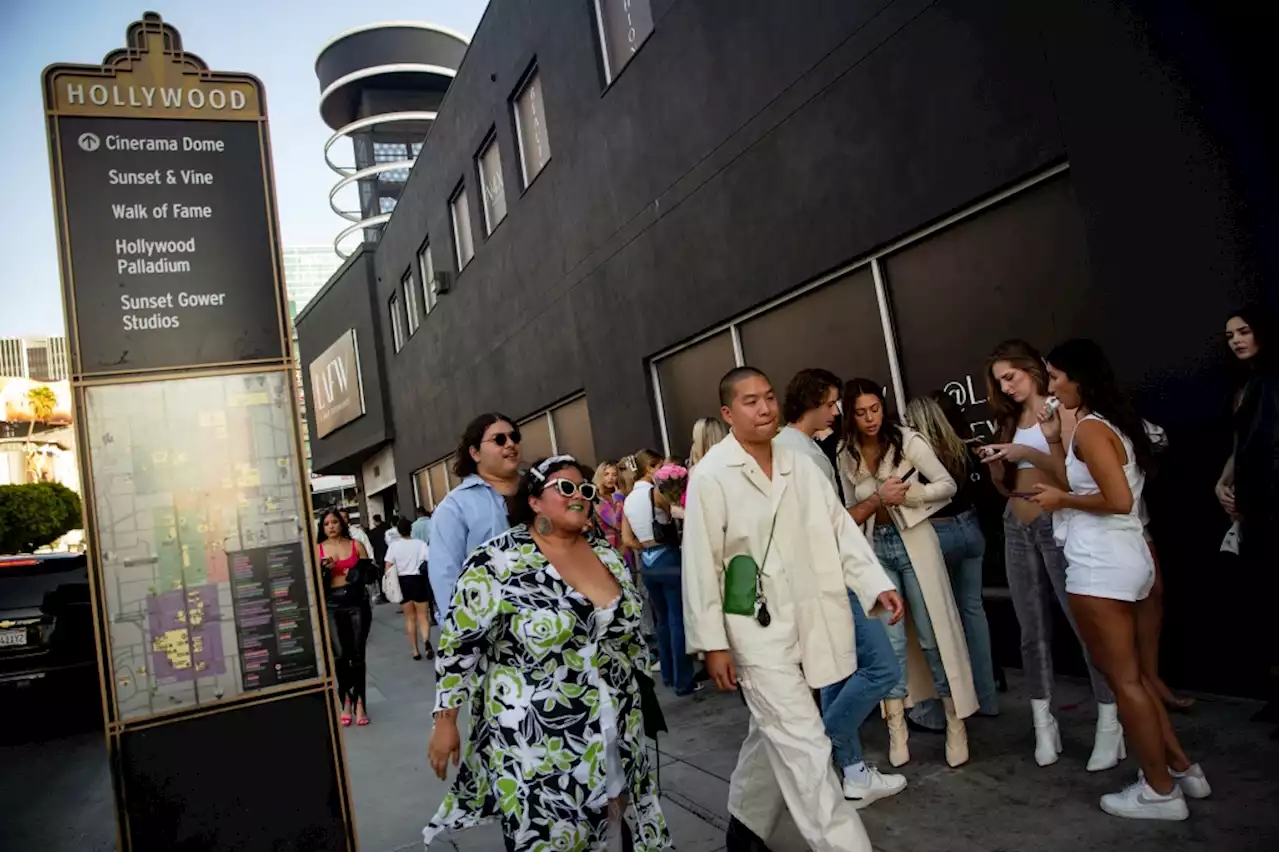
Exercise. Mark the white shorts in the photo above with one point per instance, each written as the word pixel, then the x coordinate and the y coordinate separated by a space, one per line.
pixel 1111 564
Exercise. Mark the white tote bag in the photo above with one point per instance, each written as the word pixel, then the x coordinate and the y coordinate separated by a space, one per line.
pixel 391 587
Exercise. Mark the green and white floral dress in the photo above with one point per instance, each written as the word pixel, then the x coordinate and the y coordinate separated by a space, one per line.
pixel 537 661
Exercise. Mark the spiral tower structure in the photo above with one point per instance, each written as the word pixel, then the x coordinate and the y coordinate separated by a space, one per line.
pixel 380 87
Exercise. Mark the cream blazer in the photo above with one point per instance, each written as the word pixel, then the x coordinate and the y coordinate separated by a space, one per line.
pixel 817 553
pixel 930 568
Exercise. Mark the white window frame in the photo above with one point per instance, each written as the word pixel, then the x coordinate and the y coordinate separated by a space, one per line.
pixel 491 144
pixel 410 301
pixel 427 272
pixel 461 195
pixel 886 317
pixel 524 87
pixel 397 325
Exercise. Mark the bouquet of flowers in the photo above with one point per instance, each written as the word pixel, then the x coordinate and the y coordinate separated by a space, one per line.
pixel 671 480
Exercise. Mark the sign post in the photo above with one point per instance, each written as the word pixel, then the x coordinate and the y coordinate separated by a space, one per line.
pixel 217 687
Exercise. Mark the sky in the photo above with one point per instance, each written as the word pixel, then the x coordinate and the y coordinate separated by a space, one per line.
pixel 275 39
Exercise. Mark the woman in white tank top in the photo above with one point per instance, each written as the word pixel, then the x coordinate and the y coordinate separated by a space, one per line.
pixel 1109 568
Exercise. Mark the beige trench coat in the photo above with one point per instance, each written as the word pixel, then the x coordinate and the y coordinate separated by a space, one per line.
pixel 816 553
pixel 922 547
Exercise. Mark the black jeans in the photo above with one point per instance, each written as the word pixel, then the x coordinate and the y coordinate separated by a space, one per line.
pixel 350 618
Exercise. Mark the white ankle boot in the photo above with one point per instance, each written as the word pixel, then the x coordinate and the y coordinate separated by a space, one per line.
pixel 957 748
pixel 1108 740
pixel 895 719
pixel 1048 739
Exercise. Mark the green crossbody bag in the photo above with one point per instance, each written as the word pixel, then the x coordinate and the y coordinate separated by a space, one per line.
pixel 743 585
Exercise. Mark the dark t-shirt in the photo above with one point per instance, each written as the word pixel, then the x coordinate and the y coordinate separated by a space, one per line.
pixel 1256 467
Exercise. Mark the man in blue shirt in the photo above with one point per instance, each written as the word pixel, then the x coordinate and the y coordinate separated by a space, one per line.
pixel 488 463
pixel 421 529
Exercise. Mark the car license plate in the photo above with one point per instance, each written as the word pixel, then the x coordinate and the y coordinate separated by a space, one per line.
pixel 13 637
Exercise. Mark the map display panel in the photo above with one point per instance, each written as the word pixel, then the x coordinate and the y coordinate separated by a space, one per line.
pixel 204 554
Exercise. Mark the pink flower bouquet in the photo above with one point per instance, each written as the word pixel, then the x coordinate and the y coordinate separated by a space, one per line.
pixel 671 480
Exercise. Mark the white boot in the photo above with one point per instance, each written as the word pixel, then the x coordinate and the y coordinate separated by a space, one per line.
pixel 895 719
pixel 1108 740
pixel 957 748
pixel 1048 739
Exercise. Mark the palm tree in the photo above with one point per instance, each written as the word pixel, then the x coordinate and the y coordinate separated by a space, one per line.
pixel 42 402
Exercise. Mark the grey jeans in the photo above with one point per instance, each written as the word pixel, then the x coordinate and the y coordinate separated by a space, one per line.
pixel 1037 572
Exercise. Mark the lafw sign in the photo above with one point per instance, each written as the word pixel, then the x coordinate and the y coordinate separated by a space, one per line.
pixel 336 392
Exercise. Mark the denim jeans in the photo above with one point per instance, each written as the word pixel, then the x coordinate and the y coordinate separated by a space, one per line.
pixel 963 547
pixel 846 705
pixel 892 553
pixel 668 615
pixel 1037 573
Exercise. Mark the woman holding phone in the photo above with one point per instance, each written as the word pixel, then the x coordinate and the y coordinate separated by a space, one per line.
pixel 1018 393
pixel 885 467
pixel 350 615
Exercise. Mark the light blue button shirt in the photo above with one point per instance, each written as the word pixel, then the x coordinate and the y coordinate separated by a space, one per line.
pixel 421 530
pixel 470 515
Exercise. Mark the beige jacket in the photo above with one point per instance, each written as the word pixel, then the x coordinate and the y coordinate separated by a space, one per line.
pixel 817 552
pixel 930 569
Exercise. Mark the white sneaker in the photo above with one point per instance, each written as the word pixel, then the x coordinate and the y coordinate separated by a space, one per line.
pixel 876 786
pixel 1192 782
pixel 1139 801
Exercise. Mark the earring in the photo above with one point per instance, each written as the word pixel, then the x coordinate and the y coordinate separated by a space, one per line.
pixel 542 526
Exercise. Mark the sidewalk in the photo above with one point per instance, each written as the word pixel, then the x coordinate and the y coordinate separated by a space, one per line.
pixel 999 801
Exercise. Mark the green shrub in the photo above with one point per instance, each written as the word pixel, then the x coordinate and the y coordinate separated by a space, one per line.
pixel 36 514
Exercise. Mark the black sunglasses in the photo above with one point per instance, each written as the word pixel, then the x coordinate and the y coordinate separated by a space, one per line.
pixel 500 439
pixel 568 488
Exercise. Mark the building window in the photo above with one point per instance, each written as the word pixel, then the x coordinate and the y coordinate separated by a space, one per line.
pixel 460 211
pixel 563 429
pixel 687 382
pixel 432 483
pixel 397 321
pixel 531 129
pixel 624 26
pixel 386 204
pixel 427 271
pixel 410 300
pixel 495 196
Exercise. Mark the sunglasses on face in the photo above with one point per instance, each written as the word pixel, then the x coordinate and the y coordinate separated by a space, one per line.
pixel 568 488
pixel 500 439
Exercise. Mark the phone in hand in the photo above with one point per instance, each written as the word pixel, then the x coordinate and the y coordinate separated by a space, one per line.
pixel 910 473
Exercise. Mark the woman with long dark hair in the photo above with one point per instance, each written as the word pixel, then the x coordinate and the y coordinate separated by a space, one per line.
pixel 350 615
pixel 893 482
pixel 1247 487
pixel 1109 566
pixel 543 639
pixel 1018 392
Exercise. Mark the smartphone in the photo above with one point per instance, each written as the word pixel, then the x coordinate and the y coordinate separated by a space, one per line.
pixel 1024 495
pixel 910 473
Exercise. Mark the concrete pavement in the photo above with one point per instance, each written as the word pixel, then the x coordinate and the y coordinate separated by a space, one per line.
pixel 55 789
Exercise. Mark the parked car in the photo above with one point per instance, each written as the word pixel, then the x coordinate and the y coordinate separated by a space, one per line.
pixel 46 625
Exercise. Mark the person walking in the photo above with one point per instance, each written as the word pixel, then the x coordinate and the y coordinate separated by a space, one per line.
pixel 1018 390
pixel 378 535
pixel 350 616
pixel 768 556
pixel 357 532
pixel 655 534
pixel 421 529
pixel 487 462
pixel 809 407
pixel 542 636
pixel 1109 566
pixel 963 548
pixel 407 558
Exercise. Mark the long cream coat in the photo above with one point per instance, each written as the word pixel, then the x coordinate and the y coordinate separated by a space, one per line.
pixel 817 552
pixel 926 559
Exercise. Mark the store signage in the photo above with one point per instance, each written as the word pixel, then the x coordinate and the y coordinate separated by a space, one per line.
pixel 161 178
pixel 335 385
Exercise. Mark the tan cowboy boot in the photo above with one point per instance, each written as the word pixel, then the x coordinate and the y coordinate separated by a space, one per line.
pixel 895 718
pixel 957 748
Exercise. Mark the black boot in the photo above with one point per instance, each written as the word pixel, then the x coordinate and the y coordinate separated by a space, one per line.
pixel 739 838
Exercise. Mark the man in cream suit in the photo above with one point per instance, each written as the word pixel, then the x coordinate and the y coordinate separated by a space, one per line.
pixel 744 488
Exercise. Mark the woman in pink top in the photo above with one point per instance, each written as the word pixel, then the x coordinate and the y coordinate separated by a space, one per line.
pixel 349 613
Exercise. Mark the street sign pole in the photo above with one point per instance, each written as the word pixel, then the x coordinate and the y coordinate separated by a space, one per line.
pixel 214 661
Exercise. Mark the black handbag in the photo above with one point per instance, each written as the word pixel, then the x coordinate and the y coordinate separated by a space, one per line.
pixel 654 720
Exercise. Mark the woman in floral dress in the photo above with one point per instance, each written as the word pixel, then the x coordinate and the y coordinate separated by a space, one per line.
pixel 543 638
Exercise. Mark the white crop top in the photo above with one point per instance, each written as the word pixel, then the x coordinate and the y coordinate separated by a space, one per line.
pixel 1033 437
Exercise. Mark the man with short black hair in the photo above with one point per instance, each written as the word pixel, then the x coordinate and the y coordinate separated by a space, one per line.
pixel 810 408
pixel 765 517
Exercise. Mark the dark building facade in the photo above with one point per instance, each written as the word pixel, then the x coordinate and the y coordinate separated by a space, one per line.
pixel 618 201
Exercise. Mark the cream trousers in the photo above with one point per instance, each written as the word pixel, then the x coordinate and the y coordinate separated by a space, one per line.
pixel 786 761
